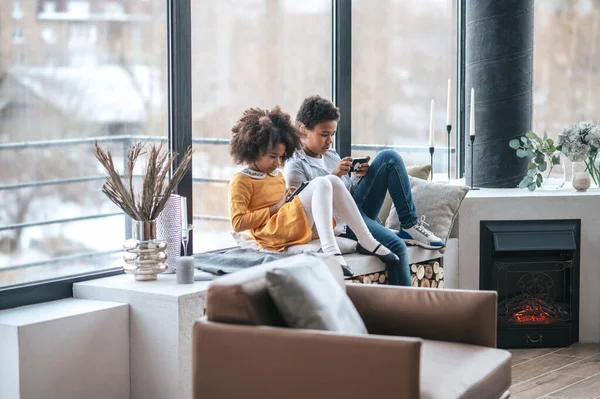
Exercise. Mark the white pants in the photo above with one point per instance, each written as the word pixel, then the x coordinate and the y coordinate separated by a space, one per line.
pixel 320 199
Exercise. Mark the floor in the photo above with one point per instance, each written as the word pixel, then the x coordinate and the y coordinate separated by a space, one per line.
pixel 572 372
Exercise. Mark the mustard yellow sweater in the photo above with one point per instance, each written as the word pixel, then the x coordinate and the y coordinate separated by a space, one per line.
pixel 251 194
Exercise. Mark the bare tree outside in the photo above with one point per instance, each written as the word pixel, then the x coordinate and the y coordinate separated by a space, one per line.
pixel 75 71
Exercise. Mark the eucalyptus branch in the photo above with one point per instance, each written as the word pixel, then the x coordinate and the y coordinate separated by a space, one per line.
pixel 541 151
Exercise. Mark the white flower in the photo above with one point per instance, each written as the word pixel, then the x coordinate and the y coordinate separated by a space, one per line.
pixel 580 141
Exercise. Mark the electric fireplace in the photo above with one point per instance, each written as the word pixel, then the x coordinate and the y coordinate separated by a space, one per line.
pixel 534 267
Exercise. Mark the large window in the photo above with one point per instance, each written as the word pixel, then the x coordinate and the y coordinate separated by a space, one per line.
pixel 54 220
pixel 403 53
pixel 247 53
pixel 566 64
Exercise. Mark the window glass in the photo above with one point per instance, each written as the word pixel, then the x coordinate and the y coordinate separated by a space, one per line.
pixel 54 102
pixel 247 53
pixel 565 70
pixel 403 53
pixel 17 9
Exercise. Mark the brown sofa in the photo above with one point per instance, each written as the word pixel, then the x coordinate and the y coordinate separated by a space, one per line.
pixel 422 343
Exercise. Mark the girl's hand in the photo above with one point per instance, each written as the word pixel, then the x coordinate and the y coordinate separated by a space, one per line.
pixel 273 209
pixel 343 167
pixel 363 168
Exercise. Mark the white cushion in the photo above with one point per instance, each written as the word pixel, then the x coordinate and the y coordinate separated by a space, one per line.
pixel 308 296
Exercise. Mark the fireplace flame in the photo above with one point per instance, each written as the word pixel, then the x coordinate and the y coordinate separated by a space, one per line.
pixel 530 310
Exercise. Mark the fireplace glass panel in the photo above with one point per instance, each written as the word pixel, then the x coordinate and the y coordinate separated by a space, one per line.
pixel 533 291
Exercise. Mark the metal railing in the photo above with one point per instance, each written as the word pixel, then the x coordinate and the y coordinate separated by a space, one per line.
pixel 125 142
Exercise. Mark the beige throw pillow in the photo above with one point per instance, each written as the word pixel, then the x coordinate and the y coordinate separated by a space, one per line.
pixel 307 296
pixel 439 202
pixel 419 171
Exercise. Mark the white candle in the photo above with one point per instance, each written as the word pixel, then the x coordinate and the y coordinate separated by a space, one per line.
pixel 449 103
pixel 185 270
pixel 431 126
pixel 184 220
pixel 472 124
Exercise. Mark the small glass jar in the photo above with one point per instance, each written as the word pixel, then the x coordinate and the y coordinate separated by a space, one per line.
pixel 581 179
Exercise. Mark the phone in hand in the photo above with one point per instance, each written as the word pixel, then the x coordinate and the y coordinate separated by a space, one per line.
pixel 356 162
pixel 297 191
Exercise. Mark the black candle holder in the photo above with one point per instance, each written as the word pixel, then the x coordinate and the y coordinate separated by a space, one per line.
pixel 431 151
pixel 472 137
pixel 449 129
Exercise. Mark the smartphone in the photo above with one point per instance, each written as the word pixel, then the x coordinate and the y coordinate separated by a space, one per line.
pixel 356 162
pixel 297 191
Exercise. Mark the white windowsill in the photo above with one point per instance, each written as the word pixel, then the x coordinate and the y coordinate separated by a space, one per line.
pixel 165 286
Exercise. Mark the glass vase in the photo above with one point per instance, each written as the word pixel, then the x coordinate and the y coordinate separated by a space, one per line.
pixel 592 166
pixel 581 179
pixel 144 255
pixel 554 176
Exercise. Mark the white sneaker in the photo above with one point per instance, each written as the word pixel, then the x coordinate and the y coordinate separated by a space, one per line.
pixel 420 236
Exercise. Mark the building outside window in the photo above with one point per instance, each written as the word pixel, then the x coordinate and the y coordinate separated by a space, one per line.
pixel 49 7
pixel 18 37
pixel 17 9
pixel 17 58
pixel 78 8
pixel 82 34
pixel 49 34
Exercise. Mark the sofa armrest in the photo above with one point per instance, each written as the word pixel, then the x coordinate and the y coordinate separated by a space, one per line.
pixel 468 317
pixel 231 361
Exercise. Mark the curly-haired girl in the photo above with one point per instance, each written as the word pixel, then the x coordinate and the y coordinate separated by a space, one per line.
pixel 263 140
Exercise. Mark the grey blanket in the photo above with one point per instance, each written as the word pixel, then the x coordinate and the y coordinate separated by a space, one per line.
pixel 233 260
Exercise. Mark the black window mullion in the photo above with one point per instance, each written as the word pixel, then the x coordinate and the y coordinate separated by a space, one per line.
pixel 179 76
pixel 342 73
pixel 460 88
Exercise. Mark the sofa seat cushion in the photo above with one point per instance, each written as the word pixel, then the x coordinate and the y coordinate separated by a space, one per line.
pixel 452 370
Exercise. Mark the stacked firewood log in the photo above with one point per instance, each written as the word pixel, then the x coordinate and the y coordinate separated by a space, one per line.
pixel 428 275
pixel 373 278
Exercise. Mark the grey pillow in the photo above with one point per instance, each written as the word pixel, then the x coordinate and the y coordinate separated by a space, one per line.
pixel 307 296
pixel 439 202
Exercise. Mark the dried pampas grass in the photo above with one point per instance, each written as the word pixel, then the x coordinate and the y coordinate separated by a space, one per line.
pixel 156 189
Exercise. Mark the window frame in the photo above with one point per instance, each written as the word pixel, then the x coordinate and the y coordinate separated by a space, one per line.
pixel 341 90
pixel 179 110
pixel 179 137
pixel 461 35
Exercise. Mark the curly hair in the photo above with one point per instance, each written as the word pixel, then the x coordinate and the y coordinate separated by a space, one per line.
pixel 316 109
pixel 258 131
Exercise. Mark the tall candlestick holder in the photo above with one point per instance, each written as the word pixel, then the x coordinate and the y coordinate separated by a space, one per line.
pixel 431 151
pixel 449 129
pixel 472 137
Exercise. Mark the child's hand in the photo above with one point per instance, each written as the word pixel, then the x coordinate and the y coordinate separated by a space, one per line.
pixel 275 208
pixel 343 167
pixel 289 192
pixel 362 169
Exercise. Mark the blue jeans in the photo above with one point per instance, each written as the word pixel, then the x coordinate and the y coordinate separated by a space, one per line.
pixel 387 173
